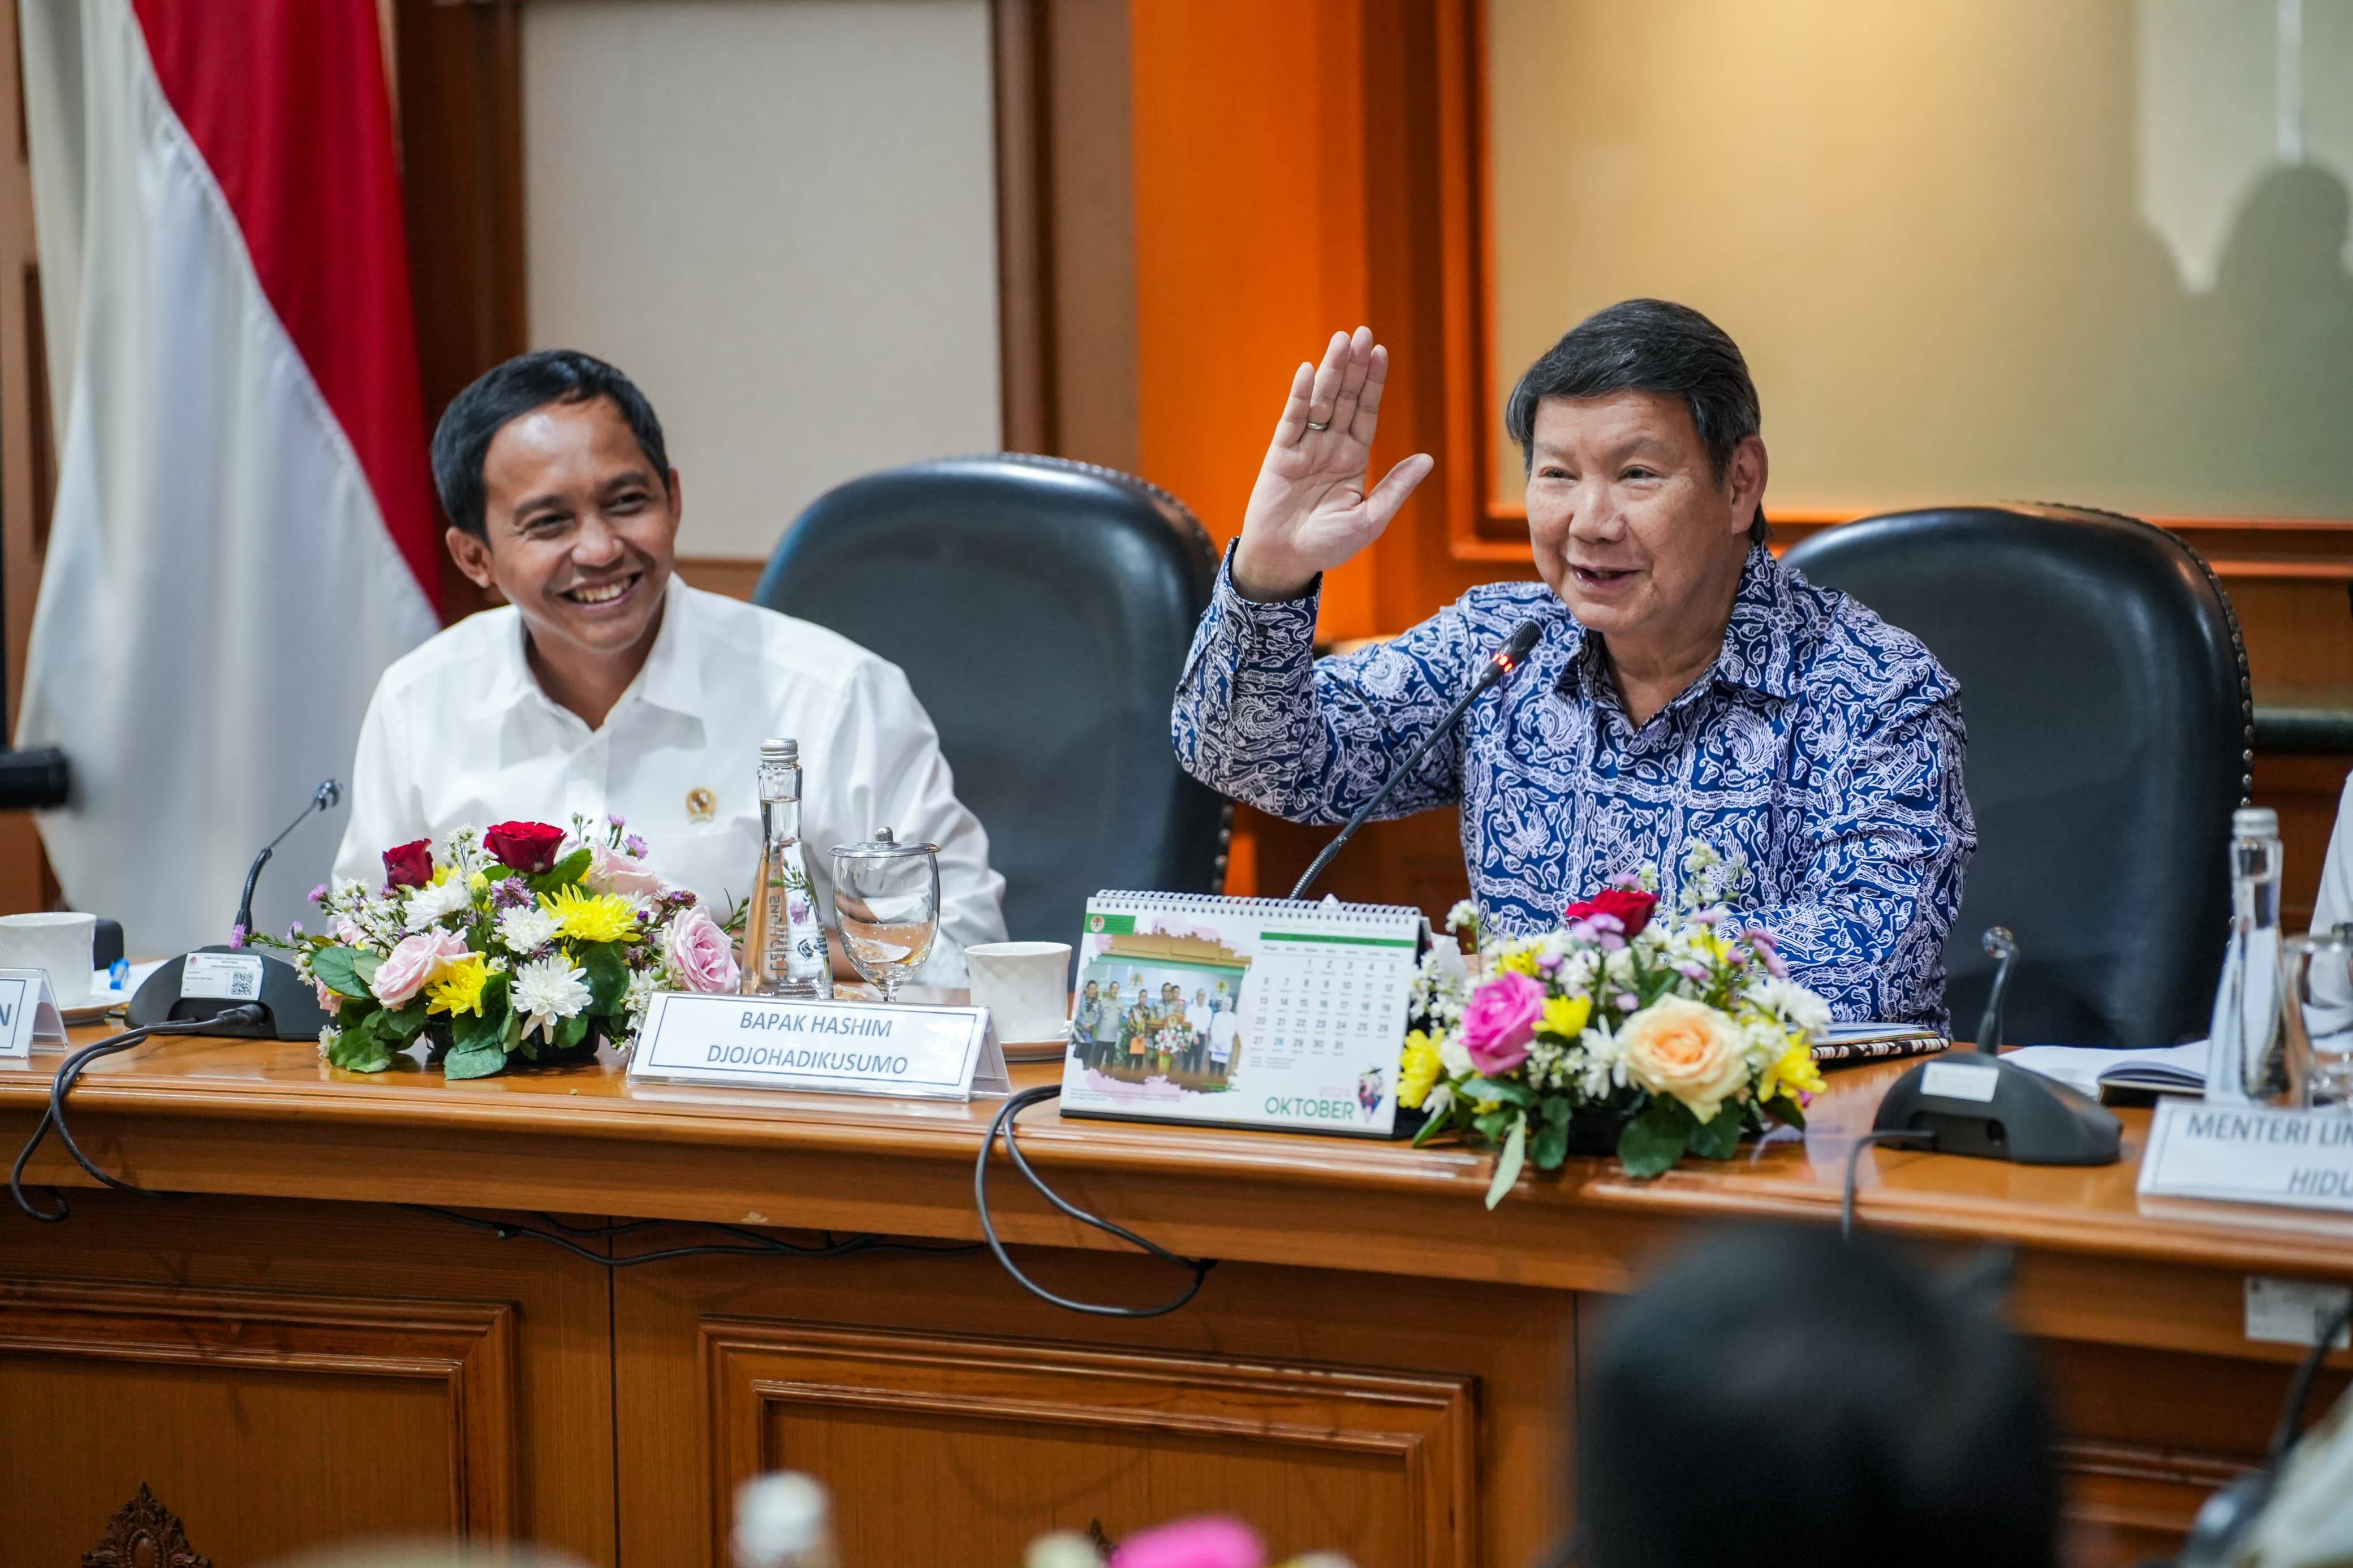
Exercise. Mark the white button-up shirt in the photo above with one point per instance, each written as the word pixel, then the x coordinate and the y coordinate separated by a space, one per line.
pixel 459 733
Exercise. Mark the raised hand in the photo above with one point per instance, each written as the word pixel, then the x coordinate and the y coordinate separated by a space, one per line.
pixel 1310 511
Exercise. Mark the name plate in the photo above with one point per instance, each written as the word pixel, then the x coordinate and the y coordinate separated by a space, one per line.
pixel 838 1047
pixel 2250 1154
pixel 29 1014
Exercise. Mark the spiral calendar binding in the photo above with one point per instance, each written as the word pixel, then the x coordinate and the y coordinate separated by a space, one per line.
pixel 1254 909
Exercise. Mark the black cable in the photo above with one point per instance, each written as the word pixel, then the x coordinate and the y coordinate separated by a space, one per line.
pixel 2299 1392
pixel 755 1245
pixel 69 1073
pixel 1854 1161
pixel 1003 1122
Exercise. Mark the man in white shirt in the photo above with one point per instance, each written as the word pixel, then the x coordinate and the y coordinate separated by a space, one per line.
pixel 605 686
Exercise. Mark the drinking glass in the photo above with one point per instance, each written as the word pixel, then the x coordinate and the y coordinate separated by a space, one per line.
pixel 2319 975
pixel 887 897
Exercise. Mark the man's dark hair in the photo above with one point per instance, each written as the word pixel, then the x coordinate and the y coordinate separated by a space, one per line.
pixel 461 442
pixel 1780 1398
pixel 1648 345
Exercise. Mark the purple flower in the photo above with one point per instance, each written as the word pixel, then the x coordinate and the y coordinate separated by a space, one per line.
pixel 1769 951
pixel 509 893
pixel 318 894
pixel 294 932
pixel 1692 969
pixel 1626 1001
pixel 236 935
pixel 1707 917
pixel 634 847
pixel 1548 963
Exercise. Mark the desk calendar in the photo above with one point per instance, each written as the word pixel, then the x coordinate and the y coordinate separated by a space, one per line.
pixel 1241 1012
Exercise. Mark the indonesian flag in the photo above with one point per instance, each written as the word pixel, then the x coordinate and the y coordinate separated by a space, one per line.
pixel 244 534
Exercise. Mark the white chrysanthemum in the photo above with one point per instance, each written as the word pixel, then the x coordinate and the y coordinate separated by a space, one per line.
pixel 1455 1057
pixel 1792 1000
pixel 327 1038
pixel 545 992
pixel 432 902
pixel 1463 916
pixel 527 930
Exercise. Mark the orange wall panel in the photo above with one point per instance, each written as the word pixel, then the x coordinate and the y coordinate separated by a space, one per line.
pixel 1249 239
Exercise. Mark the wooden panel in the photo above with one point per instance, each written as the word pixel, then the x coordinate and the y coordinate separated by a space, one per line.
pixel 286 1375
pixel 732 576
pixel 1401 1421
pixel 1023 1437
pixel 199 1393
pixel 2303 790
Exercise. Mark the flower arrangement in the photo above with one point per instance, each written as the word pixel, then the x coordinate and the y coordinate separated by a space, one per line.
pixel 1669 1031
pixel 520 940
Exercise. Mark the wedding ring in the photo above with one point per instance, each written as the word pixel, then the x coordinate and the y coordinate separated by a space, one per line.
pixel 1325 425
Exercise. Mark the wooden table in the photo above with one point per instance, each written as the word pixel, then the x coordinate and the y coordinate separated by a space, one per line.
pixel 1377 1364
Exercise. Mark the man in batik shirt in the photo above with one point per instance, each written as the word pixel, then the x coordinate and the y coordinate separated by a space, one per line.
pixel 1687 688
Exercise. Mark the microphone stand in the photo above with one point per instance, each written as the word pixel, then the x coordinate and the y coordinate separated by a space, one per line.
pixel 1500 664
pixel 324 798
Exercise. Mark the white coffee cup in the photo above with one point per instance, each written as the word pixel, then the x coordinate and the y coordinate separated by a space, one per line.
pixel 60 944
pixel 1024 985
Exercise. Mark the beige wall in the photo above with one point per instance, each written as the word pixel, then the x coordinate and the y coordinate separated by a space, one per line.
pixel 778 216
pixel 1972 249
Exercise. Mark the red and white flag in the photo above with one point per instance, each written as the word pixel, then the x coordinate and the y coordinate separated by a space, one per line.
pixel 244 534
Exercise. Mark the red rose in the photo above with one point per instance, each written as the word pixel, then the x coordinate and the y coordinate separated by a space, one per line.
pixel 1630 905
pixel 410 865
pixel 528 846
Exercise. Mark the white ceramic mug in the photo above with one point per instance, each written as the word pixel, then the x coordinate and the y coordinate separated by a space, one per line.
pixel 60 944
pixel 1024 985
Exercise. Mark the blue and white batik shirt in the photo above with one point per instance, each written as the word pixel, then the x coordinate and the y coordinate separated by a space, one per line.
pixel 1824 745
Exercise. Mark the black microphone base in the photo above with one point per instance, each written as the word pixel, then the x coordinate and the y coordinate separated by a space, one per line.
pixel 2022 1117
pixel 289 1006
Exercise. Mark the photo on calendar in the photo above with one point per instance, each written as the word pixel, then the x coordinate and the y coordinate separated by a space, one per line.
pixel 1159 1007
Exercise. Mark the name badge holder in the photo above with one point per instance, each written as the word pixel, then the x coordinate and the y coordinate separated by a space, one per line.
pixel 29 1014
pixel 901 1051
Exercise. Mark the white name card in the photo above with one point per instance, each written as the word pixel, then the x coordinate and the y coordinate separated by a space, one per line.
pixel 843 1048
pixel 29 1013
pixel 2250 1154
pixel 226 976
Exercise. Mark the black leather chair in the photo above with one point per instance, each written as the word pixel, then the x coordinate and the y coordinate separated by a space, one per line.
pixel 2104 682
pixel 1041 609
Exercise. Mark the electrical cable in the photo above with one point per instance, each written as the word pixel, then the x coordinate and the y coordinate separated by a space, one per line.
pixel 1854 1161
pixel 69 1073
pixel 754 1245
pixel 1003 1122
pixel 2299 1391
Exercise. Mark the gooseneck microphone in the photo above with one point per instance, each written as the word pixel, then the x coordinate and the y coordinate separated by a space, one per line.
pixel 326 797
pixel 1499 666
pixel 2002 948
pixel 232 989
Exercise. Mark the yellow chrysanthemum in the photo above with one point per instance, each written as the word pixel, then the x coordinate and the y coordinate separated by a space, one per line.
pixel 460 989
pixel 590 917
pixel 1793 1073
pixel 479 881
pixel 1419 1071
pixel 1567 1015
pixel 1517 963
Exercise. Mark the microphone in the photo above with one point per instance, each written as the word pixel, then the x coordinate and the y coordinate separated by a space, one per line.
pixel 2002 948
pixel 243 992
pixel 324 798
pixel 1498 668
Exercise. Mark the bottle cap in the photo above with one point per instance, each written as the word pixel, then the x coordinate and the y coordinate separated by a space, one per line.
pixel 775 750
pixel 2254 822
pixel 779 1516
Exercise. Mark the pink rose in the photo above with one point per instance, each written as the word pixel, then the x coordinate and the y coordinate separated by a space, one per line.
pixel 1500 1020
pixel 415 963
pixel 611 871
pixel 329 997
pixel 703 954
pixel 1206 1543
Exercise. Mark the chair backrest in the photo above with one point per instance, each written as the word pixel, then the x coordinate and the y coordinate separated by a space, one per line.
pixel 2104 682
pixel 1041 609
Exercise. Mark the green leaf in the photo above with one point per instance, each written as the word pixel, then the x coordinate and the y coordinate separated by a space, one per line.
pixel 474 1032
pixel 1489 1089
pixel 1654 1140
pixel 402 1024
pixel 345 970
pixel 563 874
pixel 1788 1110
pixel 474 1061
pixel 1551 1143
pixel 1507 1163
pixel 1490 1124
pixel 1430 1128
pixel 361 1047
pixel 607 974
pixel 1717 1137
pixel 575 1030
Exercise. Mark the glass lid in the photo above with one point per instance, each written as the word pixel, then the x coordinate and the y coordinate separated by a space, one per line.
pixel 883 846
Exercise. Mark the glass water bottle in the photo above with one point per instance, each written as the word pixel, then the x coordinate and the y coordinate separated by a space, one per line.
pixel 784 943
pixel 2248 1058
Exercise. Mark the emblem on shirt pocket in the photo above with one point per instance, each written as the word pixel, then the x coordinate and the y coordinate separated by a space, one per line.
pixel 701 806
